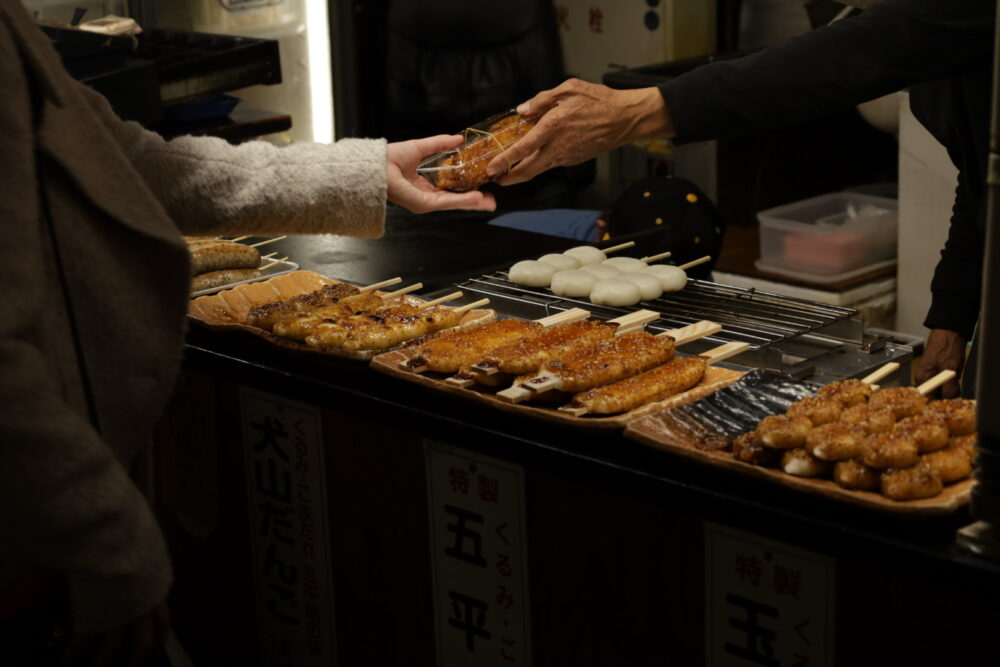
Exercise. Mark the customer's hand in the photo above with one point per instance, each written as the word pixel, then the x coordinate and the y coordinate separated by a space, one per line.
pixel 945 350
pixel 136 642
pixel 577 121
pixel 415 193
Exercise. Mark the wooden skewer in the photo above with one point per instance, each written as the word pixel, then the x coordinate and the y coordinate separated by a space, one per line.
pixel 691 332
pixel 564 317
pixel 240 238
pixel 515 394
pixel 696 262
pixel 471 306
pixel 634 321
pixel 384 283
pixel 400 292
pixel 935 382
pixel 884 371
pixel 270 264
pixel 260 243
pixel 440 299
pixel 655 258
pixel 616 248
pixel 712 356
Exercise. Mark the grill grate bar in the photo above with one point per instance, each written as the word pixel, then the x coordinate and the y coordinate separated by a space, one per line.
pixel 746 315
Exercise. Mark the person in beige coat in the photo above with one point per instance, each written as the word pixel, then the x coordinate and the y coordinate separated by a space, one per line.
pixel 93 292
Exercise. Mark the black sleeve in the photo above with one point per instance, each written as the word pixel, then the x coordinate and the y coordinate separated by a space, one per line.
pixel 886 48
pixel 957 285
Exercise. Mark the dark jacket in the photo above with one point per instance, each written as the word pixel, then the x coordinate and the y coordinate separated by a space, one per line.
pixel 942 51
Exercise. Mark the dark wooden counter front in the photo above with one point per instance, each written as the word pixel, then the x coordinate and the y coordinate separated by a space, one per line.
pixel 626 550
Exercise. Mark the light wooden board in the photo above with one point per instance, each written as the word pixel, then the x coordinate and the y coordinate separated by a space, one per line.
pixel 228 311
pixel 653 431
pixel 388 363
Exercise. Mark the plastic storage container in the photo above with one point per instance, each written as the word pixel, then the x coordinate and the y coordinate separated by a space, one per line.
pixel 464 168
pixel 828 238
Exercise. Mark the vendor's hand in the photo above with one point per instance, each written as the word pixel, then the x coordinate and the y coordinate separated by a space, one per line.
pixel 136 642
pixel 579 120
pixel 945 350
pixel 415 193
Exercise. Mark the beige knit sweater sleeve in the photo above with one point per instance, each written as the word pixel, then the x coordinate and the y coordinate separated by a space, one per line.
pixel 209 186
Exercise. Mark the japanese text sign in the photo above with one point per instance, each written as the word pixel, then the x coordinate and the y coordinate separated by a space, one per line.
pixel 767 603
pixel 479 559
pixel 289 530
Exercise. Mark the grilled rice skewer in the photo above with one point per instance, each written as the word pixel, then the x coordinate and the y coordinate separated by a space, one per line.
pixel 299 325
pixel 267 314
pixel 525 356
pixel 608 361
pixel 423 323
pixel 452 352
pixel 401 318
pixel 669 379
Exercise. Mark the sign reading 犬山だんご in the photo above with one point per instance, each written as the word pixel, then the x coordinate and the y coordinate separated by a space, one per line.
pixel 476 509
pixel 289 530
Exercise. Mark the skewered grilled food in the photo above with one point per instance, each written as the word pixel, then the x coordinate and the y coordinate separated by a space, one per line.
pixel 889 450
pixel 298 325
pixel 573 283
pixel 561 261
pixel 868 418
pixel 950 464
pixel 903 401
pixel 222 277
pixel 964 442
pixel 393 332
pixel 958 413
pixel 266 315
pixel 912 483
pixel 834 442
pixel 801 463
pixel 448 354
pixel 218 255
pixel 747 450
pixel 607 361
pixel 846 392
pixel 531 273
pixel 527 355
pixel 928 431
pixel 334 332
pixel 817 410
pixel 671 378
pixel 782 432
pixel 853 474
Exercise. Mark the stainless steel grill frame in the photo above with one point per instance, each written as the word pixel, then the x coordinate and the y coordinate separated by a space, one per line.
pixel 784 333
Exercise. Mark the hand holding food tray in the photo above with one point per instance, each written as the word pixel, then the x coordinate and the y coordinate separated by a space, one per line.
pixel 348 321
pixel 890 450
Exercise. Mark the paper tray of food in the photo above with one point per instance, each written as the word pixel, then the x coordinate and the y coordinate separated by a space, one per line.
pixel 706 429
pixel 446 364
pixel 233 309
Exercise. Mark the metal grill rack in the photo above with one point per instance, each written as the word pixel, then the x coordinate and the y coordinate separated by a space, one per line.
pixel 784 333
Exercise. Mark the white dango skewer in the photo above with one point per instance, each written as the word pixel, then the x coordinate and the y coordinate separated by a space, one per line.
pixel 649 285
pixel 573 283
pixel 588 254
pixel 615 292
pixel 632 264
pixel 561 261
pixel 674 278
pixel 531 273
pixel 601 271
